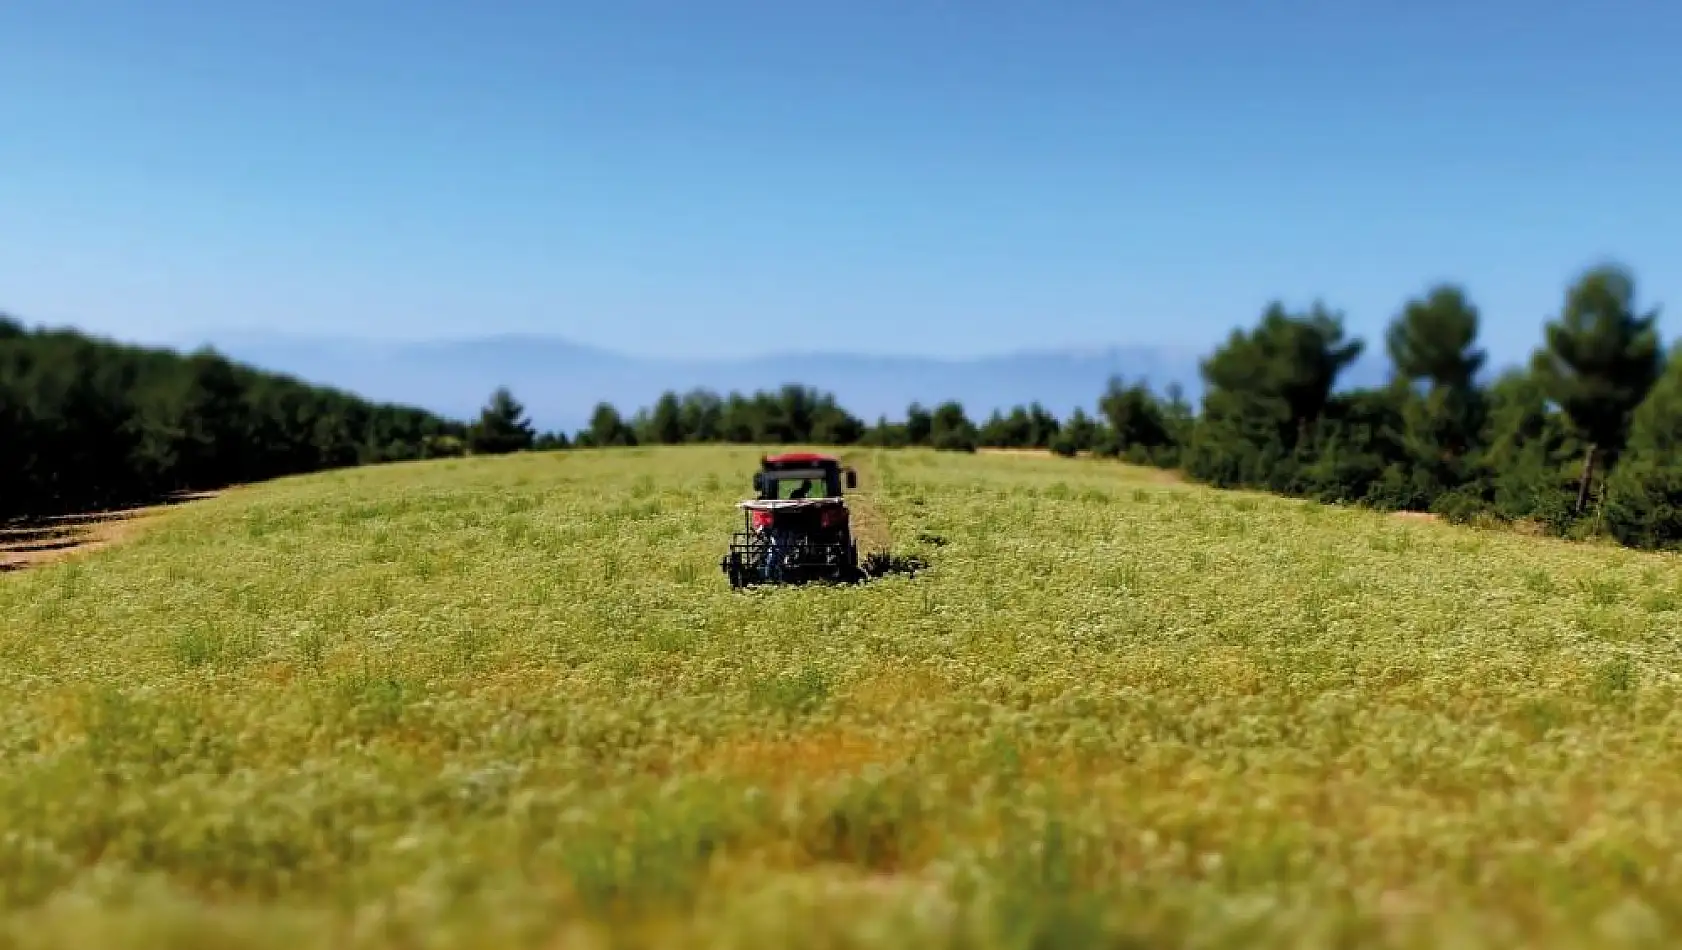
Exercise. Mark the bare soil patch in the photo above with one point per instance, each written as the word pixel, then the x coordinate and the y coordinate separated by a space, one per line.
pixel 38 541
pixel 1161 476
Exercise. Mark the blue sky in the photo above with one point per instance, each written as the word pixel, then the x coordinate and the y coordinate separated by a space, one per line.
pixel 892 177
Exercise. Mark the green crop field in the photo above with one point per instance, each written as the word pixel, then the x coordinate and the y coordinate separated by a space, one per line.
pixel 513 702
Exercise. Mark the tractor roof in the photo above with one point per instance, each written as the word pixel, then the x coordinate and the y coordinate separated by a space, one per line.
pixel 800 458
pixel 778 504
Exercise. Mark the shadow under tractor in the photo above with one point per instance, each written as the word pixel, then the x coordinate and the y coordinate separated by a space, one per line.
pixel 798 528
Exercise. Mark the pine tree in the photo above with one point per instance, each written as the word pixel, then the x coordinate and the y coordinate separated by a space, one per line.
pixel 918 425
pixel 1600 359
pixel 1265 391
pixel 502 427
pixel 1135 416
pixel 703 416
pixel 1433 340
pixel 608 428
pixel 665 423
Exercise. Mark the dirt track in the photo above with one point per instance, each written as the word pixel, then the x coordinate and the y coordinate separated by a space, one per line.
pixel 42 541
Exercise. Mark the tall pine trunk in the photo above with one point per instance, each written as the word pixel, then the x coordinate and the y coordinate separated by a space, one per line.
pixel 1588 477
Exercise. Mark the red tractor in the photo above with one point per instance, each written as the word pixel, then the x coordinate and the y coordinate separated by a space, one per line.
pixel 798 528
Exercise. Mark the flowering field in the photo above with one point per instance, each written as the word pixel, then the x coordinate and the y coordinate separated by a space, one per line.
pixel 513 702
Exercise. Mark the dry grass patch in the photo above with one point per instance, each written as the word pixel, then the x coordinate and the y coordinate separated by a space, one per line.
pixel 777 761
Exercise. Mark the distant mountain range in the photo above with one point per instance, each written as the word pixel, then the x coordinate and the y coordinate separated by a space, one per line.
pixel 560 382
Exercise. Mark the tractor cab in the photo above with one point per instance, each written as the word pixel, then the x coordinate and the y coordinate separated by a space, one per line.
pixel 801 475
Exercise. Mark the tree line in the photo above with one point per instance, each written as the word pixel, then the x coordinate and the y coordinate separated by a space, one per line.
pixel 87 423
pixel 1584 439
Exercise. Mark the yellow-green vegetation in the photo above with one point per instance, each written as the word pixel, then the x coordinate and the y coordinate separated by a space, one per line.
pixel 513 702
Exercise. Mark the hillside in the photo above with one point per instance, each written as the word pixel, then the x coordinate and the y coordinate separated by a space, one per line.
pixel 511 701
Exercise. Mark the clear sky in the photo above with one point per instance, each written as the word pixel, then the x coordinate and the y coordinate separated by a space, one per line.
pixel 910 176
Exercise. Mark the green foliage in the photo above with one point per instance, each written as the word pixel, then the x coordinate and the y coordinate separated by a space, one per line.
pixel 1284 369
pixel 950 430
pixel 1528 451
pixel 665 425
pixel 919 425
pixel 1025 427
pixel 1136 418
pixel 1600 357
pixel 1461 506
pixel 86 423
pixel 551 442
pixel 1434 339
pixel 1080 434
pixel 1644 506
pixel 1439 436
pixel 1644 495
pixel 1526 448
pixel 1267 391
pixel 445 446
pixel 792 414
pixel 502 427
pixel 1599 360
pixel 607 429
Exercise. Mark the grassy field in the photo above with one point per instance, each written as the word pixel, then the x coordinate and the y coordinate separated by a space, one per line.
pixel 512 702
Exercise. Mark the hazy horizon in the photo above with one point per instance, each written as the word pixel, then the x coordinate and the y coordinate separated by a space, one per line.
pixel 560 383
